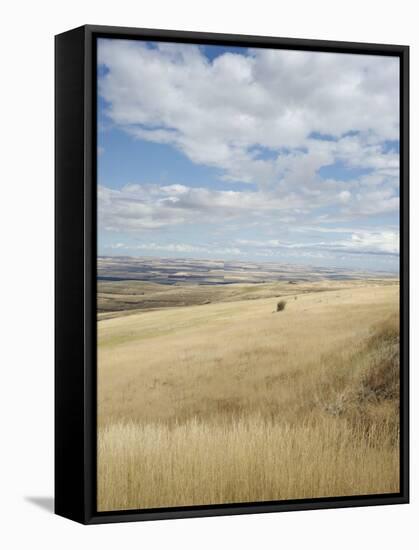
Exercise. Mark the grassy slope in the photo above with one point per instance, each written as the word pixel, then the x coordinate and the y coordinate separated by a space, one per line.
pixel 232 402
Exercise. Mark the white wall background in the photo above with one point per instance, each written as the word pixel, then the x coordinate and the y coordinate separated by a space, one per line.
pixel 26 291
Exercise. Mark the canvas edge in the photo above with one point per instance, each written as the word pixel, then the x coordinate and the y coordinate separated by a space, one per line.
pixel 69 373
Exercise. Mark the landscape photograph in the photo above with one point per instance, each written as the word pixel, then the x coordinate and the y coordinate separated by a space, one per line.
pixel 248 297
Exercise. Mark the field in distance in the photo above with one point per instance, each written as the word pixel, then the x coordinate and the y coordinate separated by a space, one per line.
pixel 126 285
pixel 207 394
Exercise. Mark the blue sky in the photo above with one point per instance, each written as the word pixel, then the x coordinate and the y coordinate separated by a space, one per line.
pixel 230 153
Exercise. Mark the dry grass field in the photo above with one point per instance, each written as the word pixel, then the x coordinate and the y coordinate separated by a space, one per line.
pixel 223 399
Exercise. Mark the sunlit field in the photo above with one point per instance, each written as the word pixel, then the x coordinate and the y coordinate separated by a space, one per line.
pixel 229 400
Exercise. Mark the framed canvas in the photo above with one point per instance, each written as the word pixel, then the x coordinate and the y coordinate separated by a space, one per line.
pixel 231 274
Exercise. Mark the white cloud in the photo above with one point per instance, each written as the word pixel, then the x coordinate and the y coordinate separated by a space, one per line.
pixel 344 196
pixel 253 116
pixel 136 208
pixel 181 248
pixel 215 112
pixel 378 242
pixel 383 243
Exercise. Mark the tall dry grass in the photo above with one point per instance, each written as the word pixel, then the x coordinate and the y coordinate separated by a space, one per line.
pixel 249 459
pixel 278 423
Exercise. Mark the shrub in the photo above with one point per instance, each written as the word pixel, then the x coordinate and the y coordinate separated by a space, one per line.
pixel 280 306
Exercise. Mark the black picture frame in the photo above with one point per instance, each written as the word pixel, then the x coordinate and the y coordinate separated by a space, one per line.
pixel 75 273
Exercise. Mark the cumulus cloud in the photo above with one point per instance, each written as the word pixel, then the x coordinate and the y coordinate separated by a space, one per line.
pixel 272 119
pixel 216 112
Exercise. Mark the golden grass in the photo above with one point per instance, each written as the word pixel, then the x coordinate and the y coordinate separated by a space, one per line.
pixel 236 403
pixel 245 460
